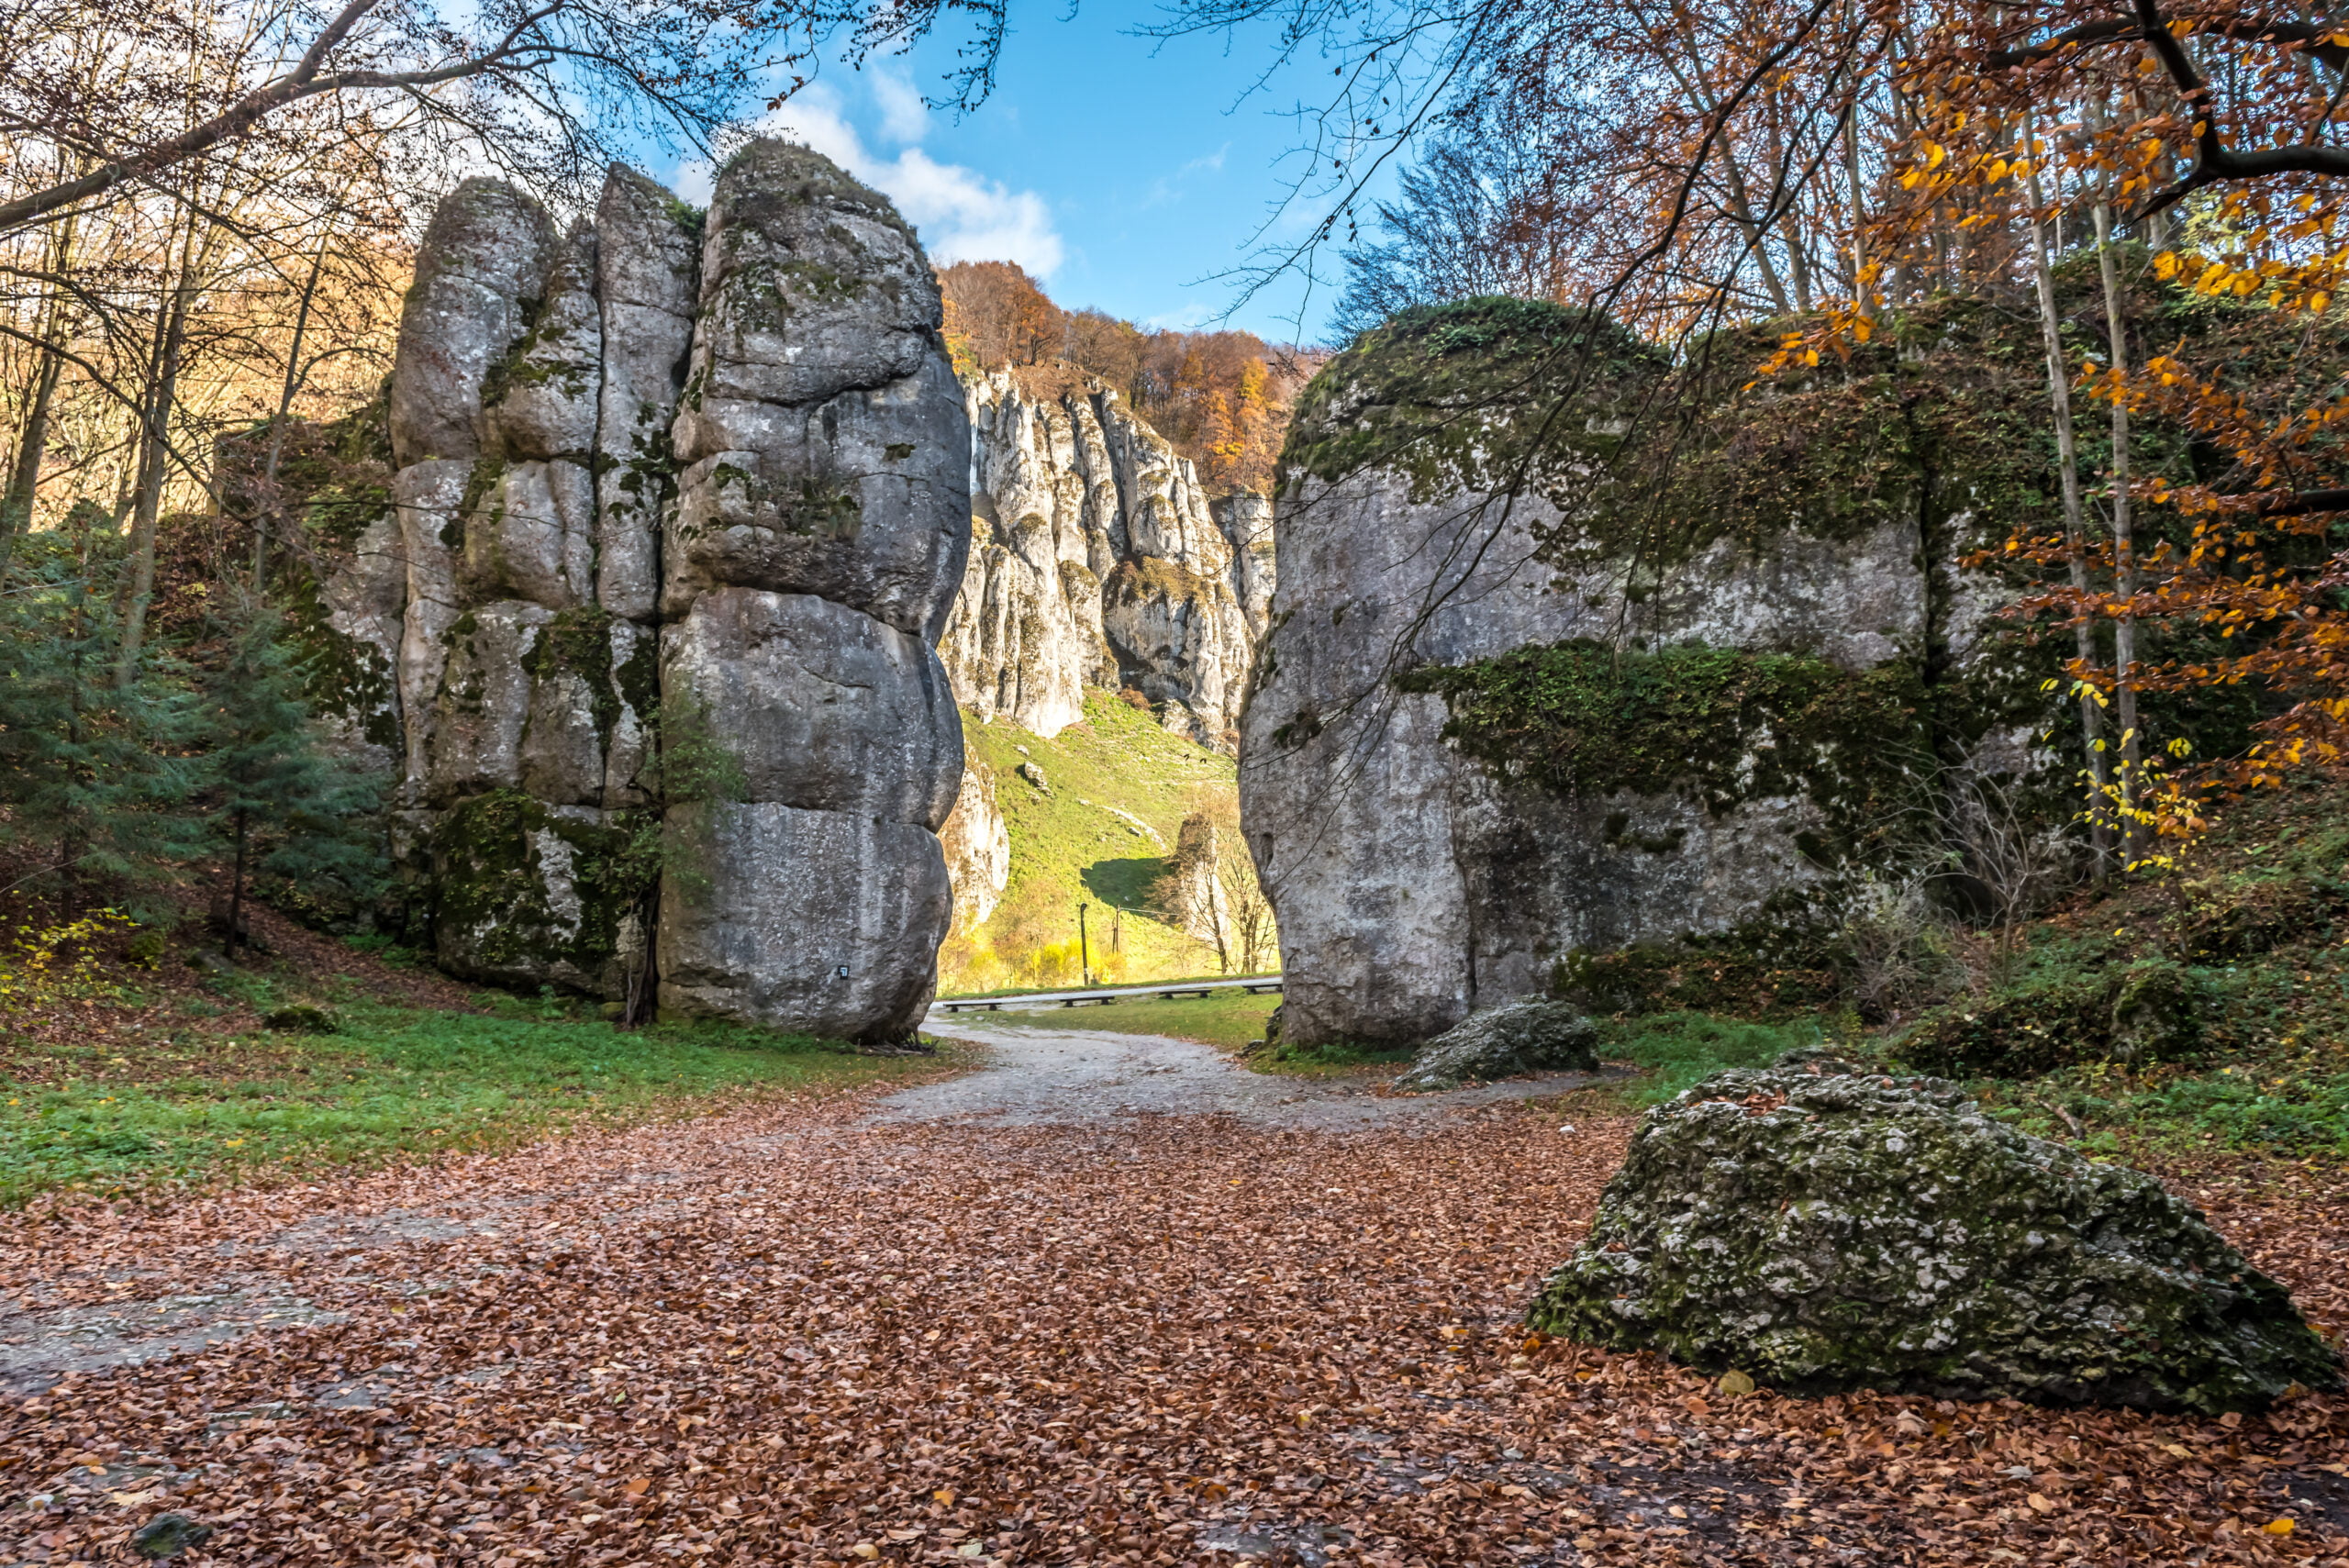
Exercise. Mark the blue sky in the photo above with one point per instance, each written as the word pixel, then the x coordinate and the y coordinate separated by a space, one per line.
pixel 1122 171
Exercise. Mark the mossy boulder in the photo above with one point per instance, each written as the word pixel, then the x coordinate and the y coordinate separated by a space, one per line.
pixel 1831 1233
pixel 1501 1042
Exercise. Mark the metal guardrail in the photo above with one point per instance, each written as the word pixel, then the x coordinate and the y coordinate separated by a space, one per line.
pixel 1103 998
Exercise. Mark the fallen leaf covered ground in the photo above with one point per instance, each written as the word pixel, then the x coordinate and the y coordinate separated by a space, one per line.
pixel 791 1335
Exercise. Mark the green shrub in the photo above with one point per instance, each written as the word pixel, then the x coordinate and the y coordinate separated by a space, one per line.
pixel 2149 1011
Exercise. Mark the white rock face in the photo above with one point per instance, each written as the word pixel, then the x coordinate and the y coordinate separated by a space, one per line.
pixel 824 707
pixel 485 252
pixel 1098 561
pixel 1197 898
pixel 827 443
pixel 1411 888
pixel 978 850
pixel 664 465
pixel 648 271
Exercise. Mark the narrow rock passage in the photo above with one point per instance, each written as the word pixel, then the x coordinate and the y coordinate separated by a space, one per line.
pixel 1047 1311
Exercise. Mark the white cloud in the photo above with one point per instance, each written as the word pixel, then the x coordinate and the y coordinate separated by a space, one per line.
pixel 961 215
pixel 904 116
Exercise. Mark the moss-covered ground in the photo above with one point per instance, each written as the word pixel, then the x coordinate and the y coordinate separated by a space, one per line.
pixel 2252 933
pixel 122 1069
pixel 1117 787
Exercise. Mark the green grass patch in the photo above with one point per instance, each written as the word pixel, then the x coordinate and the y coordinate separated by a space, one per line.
pixel 2239 1107
pixel 1226 1019
pixel 1333 1059
pixel 1678 1051
pixel 397 1083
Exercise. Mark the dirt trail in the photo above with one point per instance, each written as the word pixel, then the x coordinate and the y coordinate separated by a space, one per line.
pixel 1026 1077
pixel 1105 1299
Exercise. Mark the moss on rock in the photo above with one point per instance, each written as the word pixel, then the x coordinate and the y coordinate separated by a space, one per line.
pixel 1826 1233
pixel 1720 725
pixel 1467 397
pixel 524 893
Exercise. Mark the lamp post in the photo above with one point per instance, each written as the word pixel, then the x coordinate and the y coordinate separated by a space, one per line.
pixel 1084 955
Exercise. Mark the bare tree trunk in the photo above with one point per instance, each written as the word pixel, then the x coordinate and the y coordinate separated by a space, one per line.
pixel 1859 215
pixel 32 442
pixel 139 586
pixel 236 893
pixel 270 507
pixel 33 445
pixel 2059 388
pixel 2124 564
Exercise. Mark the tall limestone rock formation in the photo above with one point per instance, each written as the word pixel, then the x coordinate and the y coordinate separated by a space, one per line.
pixel 1099 561
pixel 684 506
pixel 1489 738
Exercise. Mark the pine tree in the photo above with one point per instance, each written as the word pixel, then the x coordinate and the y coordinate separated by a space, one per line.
pixel 280 803
pixel 97 773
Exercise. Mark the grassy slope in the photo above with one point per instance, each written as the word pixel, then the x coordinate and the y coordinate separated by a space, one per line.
pixel 1069 845
pixel 2258 915
pixel 117 1074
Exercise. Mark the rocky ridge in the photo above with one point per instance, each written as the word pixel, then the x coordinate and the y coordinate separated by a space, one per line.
pixel 681 505
pixel 1098 559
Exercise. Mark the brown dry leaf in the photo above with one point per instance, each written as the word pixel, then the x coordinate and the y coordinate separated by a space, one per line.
pixel 1055 1344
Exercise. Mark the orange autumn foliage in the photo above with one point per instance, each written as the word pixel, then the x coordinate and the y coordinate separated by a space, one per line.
pixel 1222 398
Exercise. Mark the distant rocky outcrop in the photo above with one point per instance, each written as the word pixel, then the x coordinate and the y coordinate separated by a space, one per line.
pixel 1098 561
pixel 978 850
pixel 1823 1233
pixel 1492 735
pixel 683 505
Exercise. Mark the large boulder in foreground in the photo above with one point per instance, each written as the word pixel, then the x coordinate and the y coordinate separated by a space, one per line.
pixel 1501 1042
pixel 1829 1233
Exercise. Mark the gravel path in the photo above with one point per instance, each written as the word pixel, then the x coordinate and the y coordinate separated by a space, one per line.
pixel 1034 1076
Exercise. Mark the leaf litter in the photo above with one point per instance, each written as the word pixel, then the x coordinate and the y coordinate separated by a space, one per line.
pixel 792 1334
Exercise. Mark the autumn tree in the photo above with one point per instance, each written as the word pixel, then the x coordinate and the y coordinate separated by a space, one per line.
pixel 995 309
pixel 1802 172
pixel 1220 398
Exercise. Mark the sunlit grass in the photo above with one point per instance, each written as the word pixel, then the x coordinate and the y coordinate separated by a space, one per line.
pixel 397 1083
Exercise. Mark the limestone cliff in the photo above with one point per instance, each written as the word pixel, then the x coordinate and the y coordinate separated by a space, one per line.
pixel 683 505
pixel 1098 561
pixel 978 850
pixel 1751 704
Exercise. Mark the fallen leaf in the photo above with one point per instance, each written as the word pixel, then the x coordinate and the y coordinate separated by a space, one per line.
pixel 1735 1383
